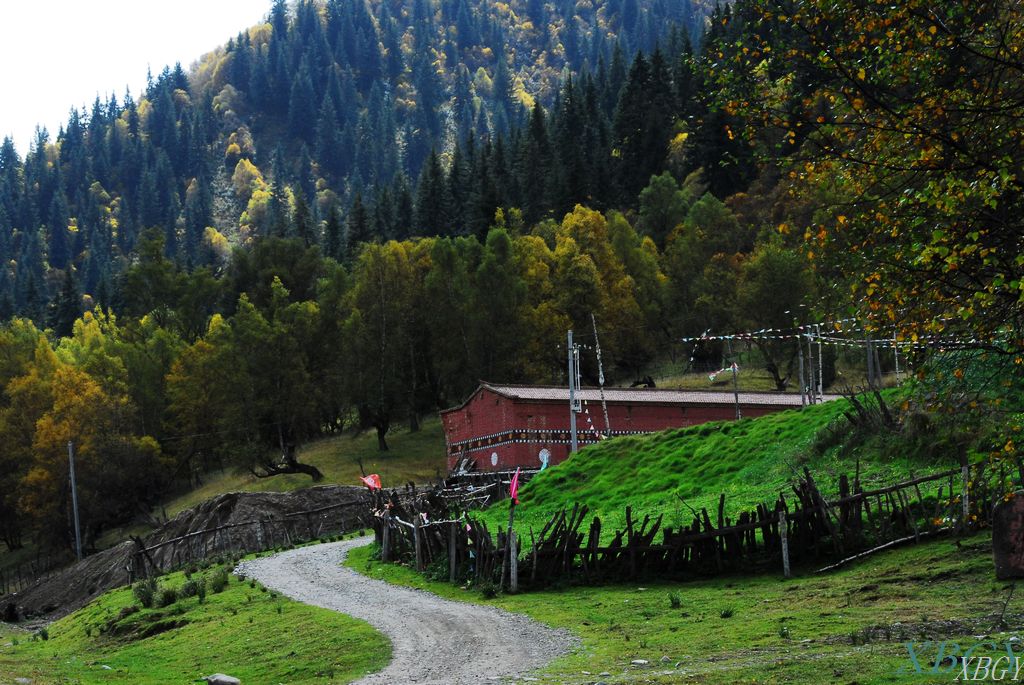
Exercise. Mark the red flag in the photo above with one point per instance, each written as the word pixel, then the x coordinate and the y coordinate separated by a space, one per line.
pixel 371 481
pixel 513 488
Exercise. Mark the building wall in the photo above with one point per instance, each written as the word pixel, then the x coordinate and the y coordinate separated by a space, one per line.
pixel 500 433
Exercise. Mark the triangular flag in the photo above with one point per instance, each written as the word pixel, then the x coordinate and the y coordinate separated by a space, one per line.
pixel 513 488
pixel 371 481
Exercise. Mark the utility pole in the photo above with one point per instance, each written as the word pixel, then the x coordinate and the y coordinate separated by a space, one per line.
pixel 896 357
pixel 803 390
pixel 735 382
pixel 600 379
pixel 74 499
pixel 810 372
pixel 573 445
pixel 821 385
pixel 871 360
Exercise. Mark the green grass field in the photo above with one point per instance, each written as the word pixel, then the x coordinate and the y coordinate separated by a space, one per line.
pixel 846 627
pixel 751 461
pixel 244 631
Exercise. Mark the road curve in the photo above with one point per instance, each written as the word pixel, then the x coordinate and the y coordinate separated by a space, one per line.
pixel 434 640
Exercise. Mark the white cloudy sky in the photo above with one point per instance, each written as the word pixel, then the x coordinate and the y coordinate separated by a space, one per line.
pixel 59 54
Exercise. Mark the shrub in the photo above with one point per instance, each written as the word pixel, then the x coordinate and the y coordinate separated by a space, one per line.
pixel 191 588
pixel 727 612
pixel 488 590
pixel 675 600
pixel 218 581
pixel 43 634
pixel 168 596
pixel 145 592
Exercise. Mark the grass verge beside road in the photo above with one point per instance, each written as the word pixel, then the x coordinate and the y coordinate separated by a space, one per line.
pixel 847 627
pixel 245 631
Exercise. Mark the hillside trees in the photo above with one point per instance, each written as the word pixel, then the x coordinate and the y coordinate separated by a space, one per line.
pixel 77 395
pixel 911 123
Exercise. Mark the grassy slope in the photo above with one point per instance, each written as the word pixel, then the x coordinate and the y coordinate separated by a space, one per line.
pixel 751 461
pixel 799 631
pixel 254 635
pixel 418 457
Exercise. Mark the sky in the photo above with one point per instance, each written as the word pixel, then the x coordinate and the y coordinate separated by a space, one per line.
pixel 59 54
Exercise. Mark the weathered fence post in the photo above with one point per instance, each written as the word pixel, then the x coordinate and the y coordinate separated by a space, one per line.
pixel 784 535
pixel 416 543
pixel 965 474
pixel 513 563
pixel 385 537
pixel 451 551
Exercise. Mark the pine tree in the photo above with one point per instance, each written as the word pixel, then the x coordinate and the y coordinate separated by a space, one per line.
pixel 334 240
pixel 433 206
pixel 65 308
pixel 302 220
pixel 302 110
pixel 59 243
pixel 357 227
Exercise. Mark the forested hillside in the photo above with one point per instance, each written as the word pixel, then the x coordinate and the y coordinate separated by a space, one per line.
pixel 290 122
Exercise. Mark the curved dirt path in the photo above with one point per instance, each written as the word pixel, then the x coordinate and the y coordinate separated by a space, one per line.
pixel 433 640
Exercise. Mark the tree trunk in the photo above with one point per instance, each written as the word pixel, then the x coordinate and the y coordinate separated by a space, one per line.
pixel 289 464
pixel 382 422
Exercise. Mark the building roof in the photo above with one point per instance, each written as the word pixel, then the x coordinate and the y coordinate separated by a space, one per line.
pixel 555 393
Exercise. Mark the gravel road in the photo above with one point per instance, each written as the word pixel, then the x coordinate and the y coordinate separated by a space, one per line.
pixel 433 640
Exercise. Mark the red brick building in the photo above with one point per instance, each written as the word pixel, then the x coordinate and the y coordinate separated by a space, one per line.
pixel 501 427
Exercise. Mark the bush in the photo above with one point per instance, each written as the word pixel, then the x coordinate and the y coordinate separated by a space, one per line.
pixel 218 581
pixel 488 589
pixel 437 569
pixel 191 588
pixel 145 592
pixel 675 600
pixel 727 612
pixel 168 596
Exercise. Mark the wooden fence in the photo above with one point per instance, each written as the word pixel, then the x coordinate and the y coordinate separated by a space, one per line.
pixel 17 578
pixel 480 489
pixel 244 537
pixel 806 527
pixel 156 556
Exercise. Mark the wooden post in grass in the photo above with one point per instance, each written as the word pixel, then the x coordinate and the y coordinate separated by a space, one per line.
pixel 513 565
pixel 508 547
pixel 451 551
pixel 416 543
pixel 784 535
pixel 385 537
pixel 965 474
pixel 513 493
